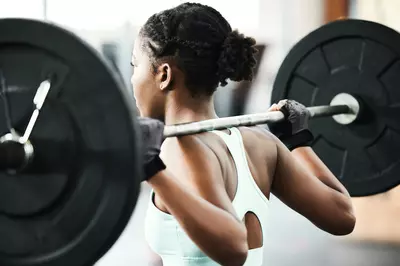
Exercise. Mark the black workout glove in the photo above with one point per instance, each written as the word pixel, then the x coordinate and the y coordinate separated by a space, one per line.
pixel 293 131
pixel 152 136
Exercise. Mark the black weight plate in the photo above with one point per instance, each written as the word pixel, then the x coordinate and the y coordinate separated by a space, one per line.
pixel 72 203
pixel 361 58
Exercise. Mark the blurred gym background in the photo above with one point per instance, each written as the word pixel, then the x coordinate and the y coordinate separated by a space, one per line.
pixel 111 26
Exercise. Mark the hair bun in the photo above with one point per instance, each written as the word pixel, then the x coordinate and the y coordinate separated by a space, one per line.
pixel 237 59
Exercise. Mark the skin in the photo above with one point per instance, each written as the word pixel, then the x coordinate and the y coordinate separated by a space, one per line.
pixel 200 179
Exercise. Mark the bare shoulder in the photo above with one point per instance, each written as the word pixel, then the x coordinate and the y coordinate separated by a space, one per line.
pixel 258 133
pixel 259 140
pixel 184 147
pixel 188 155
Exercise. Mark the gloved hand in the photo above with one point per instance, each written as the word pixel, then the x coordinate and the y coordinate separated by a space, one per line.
pixel 152 136
pixel 293 131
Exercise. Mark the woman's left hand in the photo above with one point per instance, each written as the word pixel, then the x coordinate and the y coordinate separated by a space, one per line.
pixel 293 131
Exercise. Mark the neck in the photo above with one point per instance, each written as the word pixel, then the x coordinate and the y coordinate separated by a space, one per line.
pixel 188 110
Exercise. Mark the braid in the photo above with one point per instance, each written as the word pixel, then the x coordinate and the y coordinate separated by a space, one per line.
pixel 194 36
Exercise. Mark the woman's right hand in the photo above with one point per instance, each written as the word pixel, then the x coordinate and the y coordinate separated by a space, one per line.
pixel 152 137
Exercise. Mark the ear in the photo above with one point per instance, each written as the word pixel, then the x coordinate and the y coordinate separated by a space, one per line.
pixel 164 76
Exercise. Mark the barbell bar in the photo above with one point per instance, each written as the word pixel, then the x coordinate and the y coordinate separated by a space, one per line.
pixel 349 110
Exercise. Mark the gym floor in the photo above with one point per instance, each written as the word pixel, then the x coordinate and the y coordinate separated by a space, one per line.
pixel 293 241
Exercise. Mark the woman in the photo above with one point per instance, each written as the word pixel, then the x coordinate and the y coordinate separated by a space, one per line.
pixel 210 204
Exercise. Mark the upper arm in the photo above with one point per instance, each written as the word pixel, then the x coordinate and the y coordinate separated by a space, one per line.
pixel 302 191
pixel 195 164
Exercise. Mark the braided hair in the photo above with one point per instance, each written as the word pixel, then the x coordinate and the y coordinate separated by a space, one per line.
pixel 201 42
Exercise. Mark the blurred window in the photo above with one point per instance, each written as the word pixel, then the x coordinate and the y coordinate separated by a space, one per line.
pixel 33 9
pixel 95 14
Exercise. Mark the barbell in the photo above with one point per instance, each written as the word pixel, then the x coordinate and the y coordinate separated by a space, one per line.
pixel 70 169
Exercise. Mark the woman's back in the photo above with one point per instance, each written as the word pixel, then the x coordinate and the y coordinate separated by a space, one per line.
pixel 247 173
